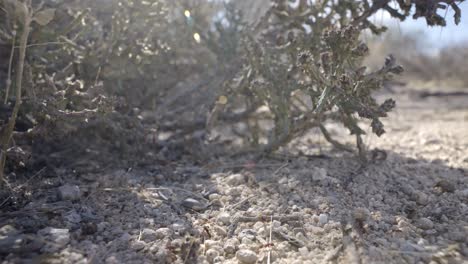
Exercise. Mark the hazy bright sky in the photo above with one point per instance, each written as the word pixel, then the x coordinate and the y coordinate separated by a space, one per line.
pixel 437 36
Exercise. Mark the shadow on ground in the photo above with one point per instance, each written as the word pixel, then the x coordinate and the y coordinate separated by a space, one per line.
pixel 327 210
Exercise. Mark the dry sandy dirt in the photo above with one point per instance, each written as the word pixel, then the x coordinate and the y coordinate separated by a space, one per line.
pixel 408 208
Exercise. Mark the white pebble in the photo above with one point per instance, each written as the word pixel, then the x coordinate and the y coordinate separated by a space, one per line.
pixel 323 219
pixel 246 256
pixel 224 218
pixel 235 179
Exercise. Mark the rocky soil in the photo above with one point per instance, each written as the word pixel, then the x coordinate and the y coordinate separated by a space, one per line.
pixel 408 206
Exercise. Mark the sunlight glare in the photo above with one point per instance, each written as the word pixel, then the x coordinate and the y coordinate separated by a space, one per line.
pixel 197 37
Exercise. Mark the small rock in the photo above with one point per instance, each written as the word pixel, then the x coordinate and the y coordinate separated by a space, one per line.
pixel 220 231
pixel 211 254
pixel 211 244
pixel 219 259
pixel 125 237
pixel 410 247
pixel 214 196
pixel 246 241
pixel 88 228
pixel 425 223
pixel 304 252
pixel 246 256
pixel 163 232
pixel 361 214
pixel 72 217
pixel 422 198
pixel 316 230
pixel 236 180
pixel 177 243
pixel 194 204
pixel 102 226
pixel 258 225
pixel 445 186
pixel 248 233
pixel 57 239
pixel 8 230
pixel 463 194
pixel 224 218
pixel 138 245
pixel 148 235
pixel 179 228
pixel 323 219
pixel 231 245
pixel 69 192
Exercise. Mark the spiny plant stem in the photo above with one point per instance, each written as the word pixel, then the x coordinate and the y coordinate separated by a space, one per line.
pixel 6 134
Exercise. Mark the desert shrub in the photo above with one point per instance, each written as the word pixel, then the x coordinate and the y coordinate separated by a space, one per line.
pixel 304 63
pixel 99 68
pixel 93 66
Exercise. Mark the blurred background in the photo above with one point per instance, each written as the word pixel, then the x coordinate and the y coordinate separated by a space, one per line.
pixel 433 57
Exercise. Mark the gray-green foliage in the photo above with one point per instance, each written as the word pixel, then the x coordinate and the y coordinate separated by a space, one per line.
pixel 305 64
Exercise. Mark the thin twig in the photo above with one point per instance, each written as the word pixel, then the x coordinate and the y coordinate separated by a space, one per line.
pixel 269 239
pixel 335 143
pixel 7 133
pixel 280 168
pixel 10 63
pixel 43 44
pixel 239 203
pixel 192 241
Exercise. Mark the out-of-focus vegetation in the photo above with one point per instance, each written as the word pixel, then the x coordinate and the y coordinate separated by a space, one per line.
pixel 425 66
pixel 101 79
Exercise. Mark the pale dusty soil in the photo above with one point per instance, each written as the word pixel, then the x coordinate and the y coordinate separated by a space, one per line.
pixel 409 208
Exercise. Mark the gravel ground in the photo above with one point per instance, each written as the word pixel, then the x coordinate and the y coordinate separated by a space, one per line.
pixel 408 208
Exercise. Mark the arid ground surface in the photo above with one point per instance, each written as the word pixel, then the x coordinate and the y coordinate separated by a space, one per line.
pixel 407 207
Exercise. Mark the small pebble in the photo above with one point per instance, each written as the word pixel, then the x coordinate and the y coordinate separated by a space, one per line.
pixel 211 244
pixel 224 218
pixel 361 214
pixel 138 245
pixel 179 228
pixel 425 223
pixel 148 235
pixel 248 233
pixel 163 232
pixel 194 204
pixel 69 192
pixel 214 196
pixel 236 180
pixel 463 194
pixel 246 256
pixel 323 219
pixel 125 237
pixel 422 198
pixel 445 186
pixel 230 247
pixel 211 254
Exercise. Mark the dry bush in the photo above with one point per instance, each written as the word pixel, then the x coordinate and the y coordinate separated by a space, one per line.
pixel 95 69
